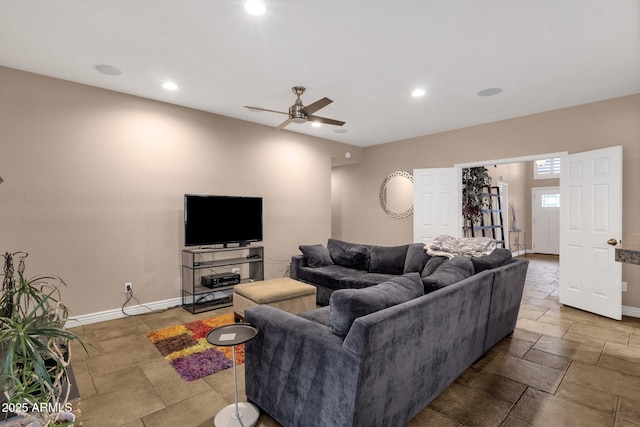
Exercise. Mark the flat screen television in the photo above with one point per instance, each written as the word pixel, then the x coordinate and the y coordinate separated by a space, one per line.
pixel 222 220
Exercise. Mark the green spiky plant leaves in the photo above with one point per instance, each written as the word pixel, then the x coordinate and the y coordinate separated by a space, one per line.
pixel 35 345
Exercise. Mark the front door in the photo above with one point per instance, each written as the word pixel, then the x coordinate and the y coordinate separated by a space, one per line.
pixel 545 232
pixel 591 215
pixel 437 201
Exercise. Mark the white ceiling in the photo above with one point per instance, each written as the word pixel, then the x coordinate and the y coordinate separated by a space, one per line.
pixel 365 55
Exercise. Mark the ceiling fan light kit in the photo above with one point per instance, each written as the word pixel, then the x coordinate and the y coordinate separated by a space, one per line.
pixel 298 113
pixel 255 7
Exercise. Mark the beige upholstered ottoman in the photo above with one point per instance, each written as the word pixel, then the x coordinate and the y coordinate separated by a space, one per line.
pixel 285 294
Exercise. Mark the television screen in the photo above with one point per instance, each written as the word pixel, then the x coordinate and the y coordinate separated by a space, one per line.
pixel 215 220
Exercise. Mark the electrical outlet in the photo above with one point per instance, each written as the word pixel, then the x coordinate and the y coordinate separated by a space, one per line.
pixel 624 286
pixel 128 287
pixel 235 270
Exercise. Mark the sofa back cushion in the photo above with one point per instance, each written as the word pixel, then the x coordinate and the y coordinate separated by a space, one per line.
pixel 433 264
pixel 449 272
pixel 346 305
pixel 417 258
pixel 316 255
pixel 497 258
pixel 387 259
pixel 350 255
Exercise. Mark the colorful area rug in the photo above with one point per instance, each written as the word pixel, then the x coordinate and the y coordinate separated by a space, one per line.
pixel 187 350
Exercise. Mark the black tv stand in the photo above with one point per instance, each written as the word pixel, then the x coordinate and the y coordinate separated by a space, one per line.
pixel 246 261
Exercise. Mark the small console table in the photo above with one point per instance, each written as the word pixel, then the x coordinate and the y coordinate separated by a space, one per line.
pixel 241 414
pixel 518 244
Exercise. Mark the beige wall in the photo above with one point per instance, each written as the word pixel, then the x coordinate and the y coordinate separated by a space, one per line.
pixel 358 218
pixel 94 185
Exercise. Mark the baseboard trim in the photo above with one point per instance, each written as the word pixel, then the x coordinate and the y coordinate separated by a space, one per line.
pixel 101 316
pixel 630 311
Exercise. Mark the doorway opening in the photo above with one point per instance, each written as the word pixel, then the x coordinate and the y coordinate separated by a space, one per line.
pixel 516 176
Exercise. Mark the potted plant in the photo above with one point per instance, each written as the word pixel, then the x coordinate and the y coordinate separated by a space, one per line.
pixel 35 346
pixel 473 201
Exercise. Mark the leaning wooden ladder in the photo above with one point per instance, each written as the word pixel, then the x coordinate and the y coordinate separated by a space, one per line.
pixel 491 223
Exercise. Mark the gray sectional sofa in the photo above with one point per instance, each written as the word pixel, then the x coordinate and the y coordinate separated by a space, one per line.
pixel 378 354
pixel 344 265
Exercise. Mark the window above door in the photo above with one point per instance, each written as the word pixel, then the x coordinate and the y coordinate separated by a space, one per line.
pixel 546 168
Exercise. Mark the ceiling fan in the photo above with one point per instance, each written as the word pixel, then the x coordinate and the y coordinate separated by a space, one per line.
pixel 298 113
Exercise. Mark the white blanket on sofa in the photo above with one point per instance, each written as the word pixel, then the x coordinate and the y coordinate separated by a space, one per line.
pixel 449 246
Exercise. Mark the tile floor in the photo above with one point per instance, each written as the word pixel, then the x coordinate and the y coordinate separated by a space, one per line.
pixel 561 367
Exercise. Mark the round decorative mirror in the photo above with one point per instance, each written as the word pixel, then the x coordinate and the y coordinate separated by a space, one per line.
pixel 396 194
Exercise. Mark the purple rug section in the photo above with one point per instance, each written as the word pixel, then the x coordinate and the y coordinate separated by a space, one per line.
pixel 198 365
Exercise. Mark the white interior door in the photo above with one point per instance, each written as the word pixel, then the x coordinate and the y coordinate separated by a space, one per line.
pixel 591 194
pixel 437 203
pixel 545 227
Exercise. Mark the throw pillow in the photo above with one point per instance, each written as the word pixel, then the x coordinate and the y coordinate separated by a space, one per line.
pixel 347 305
pixel 417 258
pixel 316 255
pixel 498 258
pixel 351 255
pixel 387 259
pixel 433 264
pixel 451 271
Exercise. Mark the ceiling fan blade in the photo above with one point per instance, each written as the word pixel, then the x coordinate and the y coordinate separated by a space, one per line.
pixel 312 108
pixel 264 109
pixel 325 120
pixel 283 124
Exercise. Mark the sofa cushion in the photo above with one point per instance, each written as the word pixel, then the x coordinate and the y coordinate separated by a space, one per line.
pixel 316 255
pixel 497 258
pixel 416 259
pixel 365 280
pixel 387 259
pixel 433 264
pixel 328 276
pixel 450 271
pixel 349 254
pixel 347 305
pixel 321 316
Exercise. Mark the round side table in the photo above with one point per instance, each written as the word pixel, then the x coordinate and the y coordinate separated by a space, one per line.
pixel 240 414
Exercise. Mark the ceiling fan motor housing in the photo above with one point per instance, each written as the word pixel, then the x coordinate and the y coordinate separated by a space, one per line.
pixel 295 112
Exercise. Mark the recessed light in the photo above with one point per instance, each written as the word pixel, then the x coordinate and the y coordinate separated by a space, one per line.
pixel 316 124
pixel 108 69
pixel 340 130
pixel 490 91
pixel 255 7
pixel 170 86
pixel 418 93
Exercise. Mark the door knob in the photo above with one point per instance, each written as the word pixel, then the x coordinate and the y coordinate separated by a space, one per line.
pixel 612 242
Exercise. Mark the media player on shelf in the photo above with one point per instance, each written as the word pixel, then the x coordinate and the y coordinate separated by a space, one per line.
pixel 220 279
